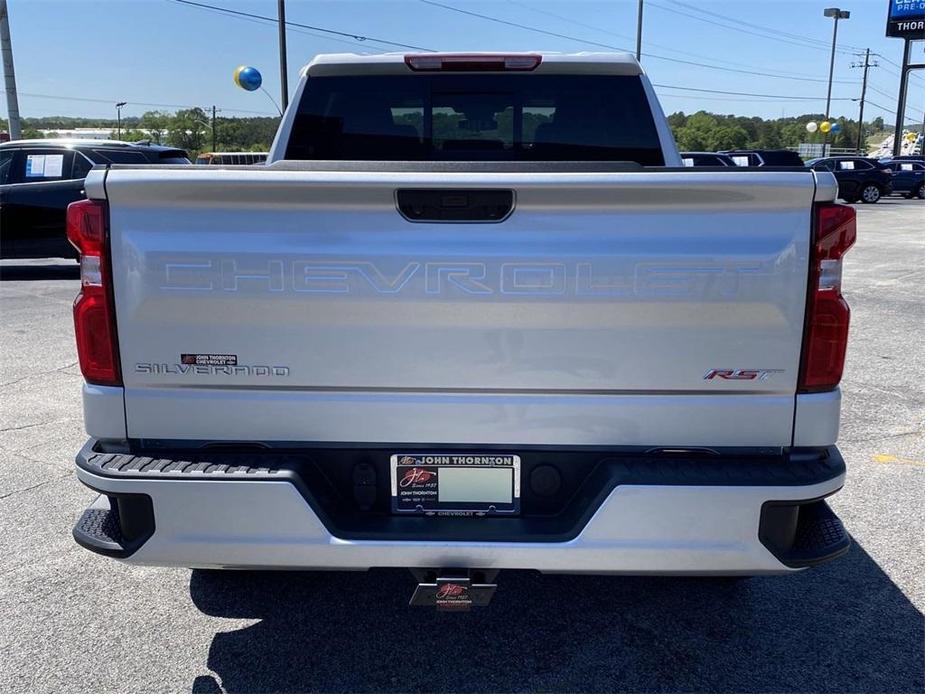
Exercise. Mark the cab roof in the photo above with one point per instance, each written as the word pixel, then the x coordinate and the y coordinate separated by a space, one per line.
pixel 328 64
pixel 66 142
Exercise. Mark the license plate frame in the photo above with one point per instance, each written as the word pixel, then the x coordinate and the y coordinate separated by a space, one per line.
pixel 474 484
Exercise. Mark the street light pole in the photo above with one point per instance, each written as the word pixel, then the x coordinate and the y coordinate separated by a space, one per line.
pixel 119 119
pixel 837 14
pixel 639 33
pixel 901 101
pixel 283 70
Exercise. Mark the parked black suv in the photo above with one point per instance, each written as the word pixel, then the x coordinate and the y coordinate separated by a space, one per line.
pixel 764 157
pixel 858 178
pixel 40 178
pixel 908 177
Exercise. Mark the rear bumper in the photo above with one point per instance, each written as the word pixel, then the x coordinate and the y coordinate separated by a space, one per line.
pixel 630 514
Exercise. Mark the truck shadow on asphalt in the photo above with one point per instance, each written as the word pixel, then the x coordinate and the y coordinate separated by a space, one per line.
pixel 840 627
pixel 30 273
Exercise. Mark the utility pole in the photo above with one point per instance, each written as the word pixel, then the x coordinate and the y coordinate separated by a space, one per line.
pixel 867 65
pixel 639 33
pixel 283 70
pixel 9 75
pixel 214 147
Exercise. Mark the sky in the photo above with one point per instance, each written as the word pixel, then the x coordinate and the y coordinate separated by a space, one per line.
pixel 78 58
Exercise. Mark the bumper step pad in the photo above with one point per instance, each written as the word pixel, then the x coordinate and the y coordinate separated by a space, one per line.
pixel 116 526
pixel 802 534
pixel 820 534
pixel 100 526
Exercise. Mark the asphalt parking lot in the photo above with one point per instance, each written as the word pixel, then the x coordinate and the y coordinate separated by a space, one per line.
pixel 74 621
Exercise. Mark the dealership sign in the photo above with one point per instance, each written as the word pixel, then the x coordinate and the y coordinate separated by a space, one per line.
pixel 906 19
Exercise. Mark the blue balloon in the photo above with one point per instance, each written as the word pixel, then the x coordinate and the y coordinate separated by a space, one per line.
pixel 835 128
pixel 248 78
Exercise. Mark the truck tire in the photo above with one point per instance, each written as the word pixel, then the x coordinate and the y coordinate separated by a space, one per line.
pixel 870 193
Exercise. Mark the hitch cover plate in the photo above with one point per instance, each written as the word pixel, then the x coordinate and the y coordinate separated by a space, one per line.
pixel 453 594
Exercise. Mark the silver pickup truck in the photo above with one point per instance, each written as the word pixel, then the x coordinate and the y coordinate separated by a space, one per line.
pixel 474 314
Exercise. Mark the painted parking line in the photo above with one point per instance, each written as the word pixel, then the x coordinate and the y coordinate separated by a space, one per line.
pixel 886 458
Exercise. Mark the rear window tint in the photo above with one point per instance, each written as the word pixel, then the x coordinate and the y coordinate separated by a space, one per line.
pixel 118 156
pixel 781 158
pixel 170 156
pixel 484 117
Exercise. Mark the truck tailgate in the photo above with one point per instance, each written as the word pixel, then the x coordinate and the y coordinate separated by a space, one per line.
pixel 631 308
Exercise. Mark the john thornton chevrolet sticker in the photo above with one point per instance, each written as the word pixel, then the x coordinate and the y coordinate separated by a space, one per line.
pixel 209 359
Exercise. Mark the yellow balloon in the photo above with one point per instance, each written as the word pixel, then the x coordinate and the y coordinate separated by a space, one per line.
pixel 911 137
pixel 237 74
pixel 825 126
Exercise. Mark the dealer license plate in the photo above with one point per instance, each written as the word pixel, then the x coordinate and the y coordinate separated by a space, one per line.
pixel 455 484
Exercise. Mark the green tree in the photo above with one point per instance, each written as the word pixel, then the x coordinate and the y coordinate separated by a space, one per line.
pixel 729 136
pixel 128 135
pixel 697 132
pixel 189 130
pixel 157 123
pixel 770 136
pixel 677 120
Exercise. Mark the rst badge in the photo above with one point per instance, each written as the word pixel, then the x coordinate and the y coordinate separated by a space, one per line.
pixel 740 374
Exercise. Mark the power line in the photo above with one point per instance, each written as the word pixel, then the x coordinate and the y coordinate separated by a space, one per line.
pixel 766 96
pixel 264 23
pixel 705 97
pixel 895 64
pixel 323 30
pixel 138 103
pixel 890 111
pixel 890 96
pixel 824 44
pixel 573 21
pixel 599 44
pixel 880 91
pixel 652 43
pixel 525 27
pixel 882 108
pixel 739 29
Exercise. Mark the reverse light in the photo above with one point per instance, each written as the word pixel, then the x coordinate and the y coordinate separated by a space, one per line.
pixel 825 337
pixel 460 62
pixel 94 313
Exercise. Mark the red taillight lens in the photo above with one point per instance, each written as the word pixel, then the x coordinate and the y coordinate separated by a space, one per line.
pixel 826 336
pixel 458 62
pixel 94 313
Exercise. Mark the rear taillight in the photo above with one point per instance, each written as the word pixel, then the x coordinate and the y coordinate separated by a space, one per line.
pixel 460 62
pixel 827 316
pixel 94 313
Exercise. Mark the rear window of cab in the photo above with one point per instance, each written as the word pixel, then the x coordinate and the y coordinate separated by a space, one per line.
pixel 475 117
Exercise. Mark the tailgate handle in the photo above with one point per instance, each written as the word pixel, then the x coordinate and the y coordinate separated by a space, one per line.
pixel 454 205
